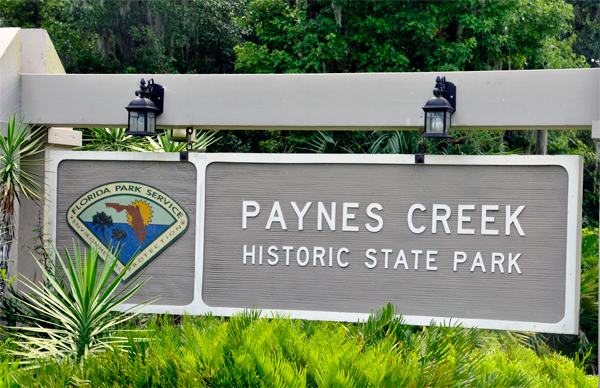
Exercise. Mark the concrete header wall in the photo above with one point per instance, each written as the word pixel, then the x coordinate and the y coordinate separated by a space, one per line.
pixel 530 99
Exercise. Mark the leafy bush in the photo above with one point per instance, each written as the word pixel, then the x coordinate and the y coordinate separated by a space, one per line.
pixel 163 143
pixel 115 139
pixel 249 351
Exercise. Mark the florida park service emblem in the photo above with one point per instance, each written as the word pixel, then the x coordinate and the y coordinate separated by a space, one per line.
pixel 136 218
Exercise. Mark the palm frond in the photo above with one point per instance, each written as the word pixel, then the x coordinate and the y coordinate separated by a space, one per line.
pixel 18 173
pixel 163 143
pixel 109 139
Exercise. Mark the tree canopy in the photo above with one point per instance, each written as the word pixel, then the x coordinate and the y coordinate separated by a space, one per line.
pixel 382 36
pixel 271 36
pixel 146 36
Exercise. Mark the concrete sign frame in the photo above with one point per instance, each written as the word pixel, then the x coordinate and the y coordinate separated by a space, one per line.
pixel 571 164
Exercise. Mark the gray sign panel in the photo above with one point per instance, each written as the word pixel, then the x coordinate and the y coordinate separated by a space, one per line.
pixel 172 272
pixel 490 242
pixel 454 263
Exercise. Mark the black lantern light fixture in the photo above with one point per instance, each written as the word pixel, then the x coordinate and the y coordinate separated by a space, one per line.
pixel 439 108
pixel 143 110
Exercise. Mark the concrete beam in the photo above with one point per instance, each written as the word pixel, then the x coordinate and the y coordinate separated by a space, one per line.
pixel 596 130
pixel 531 99
pixel 64 137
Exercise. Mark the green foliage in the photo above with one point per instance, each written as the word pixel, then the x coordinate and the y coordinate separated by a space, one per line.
pixel 513 365
pixel 394 142
pixel 145 36
pixel 589 249
pixel 247 141
pixel 586 26
pixel 15 311
pixel 115 139
pixel 163 142
pixel 587 340
pixel 14 307
pixel 109 139
pixel 79 298
pixel 18 174
pixel 7 370
pixel 384 324
pixel 5 279
pixel 376 36
pixel 249 351
pixel 198 36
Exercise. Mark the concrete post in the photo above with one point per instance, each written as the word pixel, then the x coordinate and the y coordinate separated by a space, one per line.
pixel 596 137
pixel 28 51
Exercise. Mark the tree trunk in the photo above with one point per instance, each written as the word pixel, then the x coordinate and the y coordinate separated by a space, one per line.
pixel 541 142
pixel 7 235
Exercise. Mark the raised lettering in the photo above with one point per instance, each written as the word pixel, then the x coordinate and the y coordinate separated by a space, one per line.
pixel 247 213
pixel 411 225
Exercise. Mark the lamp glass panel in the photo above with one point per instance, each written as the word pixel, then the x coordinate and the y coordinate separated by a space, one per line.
pixel 151 122
pixel 448 116
pixel 435 122
pixel 133 120
pixel 141 122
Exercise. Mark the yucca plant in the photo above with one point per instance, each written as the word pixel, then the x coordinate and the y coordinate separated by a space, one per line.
pixel 81 298
pixel 20 176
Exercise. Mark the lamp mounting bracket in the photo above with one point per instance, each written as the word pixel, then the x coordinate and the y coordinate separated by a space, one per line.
pixel 445 89
pixel 152 91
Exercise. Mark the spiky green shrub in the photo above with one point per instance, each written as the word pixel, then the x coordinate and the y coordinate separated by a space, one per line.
pixel 7 369
pixel 80 299
pixel 21 176
pixel 514 365
pixel 115 139
pixel 249 351
pixel 8 366
pixel 163 142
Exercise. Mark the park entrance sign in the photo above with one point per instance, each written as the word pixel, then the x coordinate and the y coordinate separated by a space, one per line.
pixel 487 241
